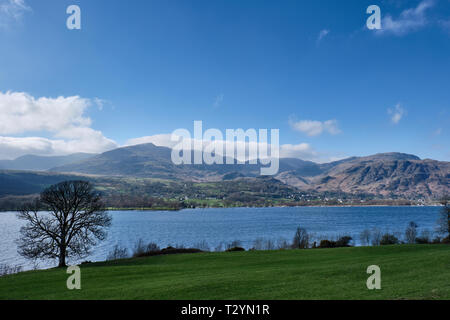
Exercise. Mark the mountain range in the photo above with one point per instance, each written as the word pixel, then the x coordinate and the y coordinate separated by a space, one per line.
pixel 386 175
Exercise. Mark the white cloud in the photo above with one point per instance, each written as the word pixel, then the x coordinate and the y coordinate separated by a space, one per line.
pixel 161 140
pixel 302 151
pixel 322 34
pixel 409 20
pixel 397 113
pixel 12 10
pixel 23 113
pixel 100 103
pixel 62 118
pixel 12 147
pixel 314 128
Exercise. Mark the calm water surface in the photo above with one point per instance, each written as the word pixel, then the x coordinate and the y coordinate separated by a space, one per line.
pixel 215 226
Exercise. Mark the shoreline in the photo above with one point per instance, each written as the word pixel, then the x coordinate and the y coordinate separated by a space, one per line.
pixel 261 207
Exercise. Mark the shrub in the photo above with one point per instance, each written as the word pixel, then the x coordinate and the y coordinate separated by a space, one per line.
pixel 234 249
pixel 388 239
pixel 436 240
pixel 117 253
pixel 420 240
pixel 327 244
pixel 151 247
pixel 6 270
pixel 341 242
pixel 202 245
pixel 234 244
pixel 344 241
pixel 141 249
pixel 425 237
pixel 171 250
pixel 168 250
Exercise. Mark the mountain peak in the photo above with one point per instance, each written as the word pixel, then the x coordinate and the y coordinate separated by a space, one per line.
pixel 390 156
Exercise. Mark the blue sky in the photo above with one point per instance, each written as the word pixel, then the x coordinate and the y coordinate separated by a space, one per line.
pixel 309 68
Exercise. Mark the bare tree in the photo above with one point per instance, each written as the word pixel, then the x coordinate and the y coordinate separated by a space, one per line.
pixel 283 244
pixel 75 220
pixel 117 253
pixel 219 247
pixel 376 237
pixel 444 219
pixel 202 245
pixel 411 233
pixel 365 237
pixel 269 245
pixel 258 244
pixel 301 239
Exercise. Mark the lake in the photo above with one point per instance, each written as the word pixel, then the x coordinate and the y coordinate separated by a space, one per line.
pixel 215 226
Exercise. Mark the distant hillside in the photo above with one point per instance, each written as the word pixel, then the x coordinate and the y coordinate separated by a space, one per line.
pixel 132 161
pixel 41 163
pixel 408 178
pixel 19 183
pixel 17 187
pixel 386 174
pixel 150 161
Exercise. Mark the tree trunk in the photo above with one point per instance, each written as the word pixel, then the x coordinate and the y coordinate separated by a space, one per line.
pixel 62 257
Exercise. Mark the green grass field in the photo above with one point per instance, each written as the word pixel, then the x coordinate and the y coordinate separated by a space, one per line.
pixel 407 272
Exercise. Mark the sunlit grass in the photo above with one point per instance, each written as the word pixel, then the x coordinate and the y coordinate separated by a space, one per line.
pixel 407 272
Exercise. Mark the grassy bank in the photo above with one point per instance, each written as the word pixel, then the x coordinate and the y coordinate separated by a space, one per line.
pixel 407 272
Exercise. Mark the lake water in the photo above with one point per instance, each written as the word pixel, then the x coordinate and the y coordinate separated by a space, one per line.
pixel 215 226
